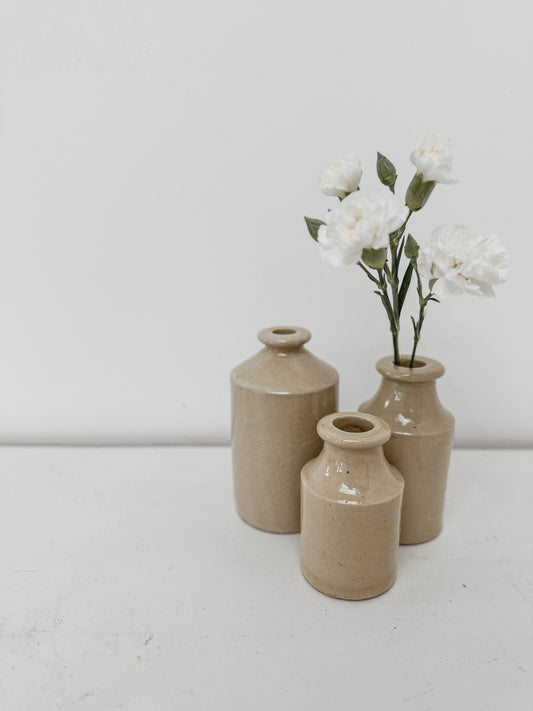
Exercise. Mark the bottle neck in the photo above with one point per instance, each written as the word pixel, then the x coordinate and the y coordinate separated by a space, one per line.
pixel 407 406
pixel 284 339
pixel 345 457
pixel 352 465
pixel 422 391
pixel 353 475
pixel 284 350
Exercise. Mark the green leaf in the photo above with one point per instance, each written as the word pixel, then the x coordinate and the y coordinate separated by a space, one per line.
pixel 388 308
pixel 369 274
pixel 411 247
pixel 418 192
pixel 404 288
pixel 400 249
pixel 312 226
pixel 375 258
pixel 386 171
pixel 432 283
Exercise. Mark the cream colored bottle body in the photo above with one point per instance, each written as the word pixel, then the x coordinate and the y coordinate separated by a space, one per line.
pixel 351 503
pixel 278 396
pixel 420 443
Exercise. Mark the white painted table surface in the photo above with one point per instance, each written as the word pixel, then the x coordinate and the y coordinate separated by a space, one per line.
pixel 129 582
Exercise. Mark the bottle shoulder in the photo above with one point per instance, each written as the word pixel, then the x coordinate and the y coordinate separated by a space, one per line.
pixel 357 479
pixel 293 372
pixel 410 410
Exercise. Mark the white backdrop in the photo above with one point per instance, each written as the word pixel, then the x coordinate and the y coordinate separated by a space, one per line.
pixel 156 161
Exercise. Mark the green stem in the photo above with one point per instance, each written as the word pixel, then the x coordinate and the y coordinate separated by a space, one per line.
pixel 393 280
pixel 415 344
pixel 416 338
pixel 423 302
pixel 368 273
pixel 392 311
pixel 396 349
pixel 383 293
pixel 392 276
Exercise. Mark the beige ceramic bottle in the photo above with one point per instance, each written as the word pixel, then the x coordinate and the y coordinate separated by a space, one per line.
pixel 278 396
pixel 421 441
pixel 351 502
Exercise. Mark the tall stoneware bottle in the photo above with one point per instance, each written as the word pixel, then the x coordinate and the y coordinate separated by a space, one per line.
pixel 351 501
pixel 278 396
pixel 421 441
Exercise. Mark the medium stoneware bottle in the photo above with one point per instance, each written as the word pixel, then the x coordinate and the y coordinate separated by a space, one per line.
pixel 421 441
pixel 351 502
pixel 278 396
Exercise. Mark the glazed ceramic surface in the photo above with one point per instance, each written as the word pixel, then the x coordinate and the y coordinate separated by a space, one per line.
pixel 278 396
pixel 421 441
pixel 351 503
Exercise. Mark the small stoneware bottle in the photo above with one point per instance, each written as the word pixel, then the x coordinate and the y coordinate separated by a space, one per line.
pixel 421 441
pixel 351 502
pixel 278 396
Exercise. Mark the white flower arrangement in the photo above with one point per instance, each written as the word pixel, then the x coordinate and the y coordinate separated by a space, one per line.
pixel 342 176
pixel 459 260
pixel 360 221
pixel 368 229
pixel 433 159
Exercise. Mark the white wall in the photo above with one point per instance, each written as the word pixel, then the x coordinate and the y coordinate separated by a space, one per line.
pixel 156 159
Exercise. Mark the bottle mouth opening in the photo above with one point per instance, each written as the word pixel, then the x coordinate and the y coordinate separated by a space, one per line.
pixel 424 369
pixel 284 337
pixel 352 423
pixel 405 362
pixel 353 430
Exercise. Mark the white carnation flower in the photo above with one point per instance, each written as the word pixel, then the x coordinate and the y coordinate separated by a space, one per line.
pixel 463 261
pixel 342 176
pixel 362 220
pixel 433 159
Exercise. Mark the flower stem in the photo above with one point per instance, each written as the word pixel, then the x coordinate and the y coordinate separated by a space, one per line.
pixel 396 349
pixel 368 273
pixel 392 278
pixel 412 362
pixel 395 307
pixel 392 310
pixel 396 249
pixel 390 275
pixel 423 302
pixel 383 293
